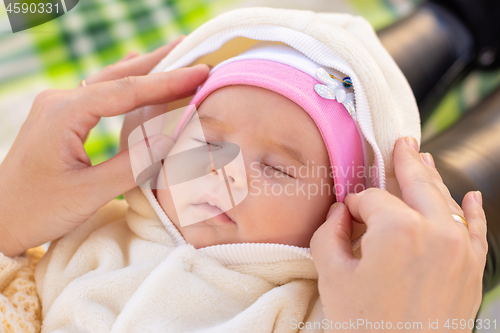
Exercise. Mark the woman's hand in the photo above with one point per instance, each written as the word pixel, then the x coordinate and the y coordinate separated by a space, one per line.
pixel 48 186
pixel 418 264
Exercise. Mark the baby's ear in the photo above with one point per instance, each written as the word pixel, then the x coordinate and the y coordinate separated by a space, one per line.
pixel 393 185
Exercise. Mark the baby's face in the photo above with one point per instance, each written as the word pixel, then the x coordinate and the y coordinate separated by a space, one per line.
pixel 282 150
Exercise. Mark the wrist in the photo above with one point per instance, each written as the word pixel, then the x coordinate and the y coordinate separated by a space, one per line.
pixel 9 245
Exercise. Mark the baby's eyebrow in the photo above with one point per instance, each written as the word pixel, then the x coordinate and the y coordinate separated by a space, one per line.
pixel 214 122
pixel 282 147
pixel 287 149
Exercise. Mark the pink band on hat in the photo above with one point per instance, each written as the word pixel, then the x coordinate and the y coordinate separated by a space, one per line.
pixel 336 126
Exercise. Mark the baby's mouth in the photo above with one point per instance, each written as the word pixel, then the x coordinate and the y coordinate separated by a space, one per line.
pixel 214 208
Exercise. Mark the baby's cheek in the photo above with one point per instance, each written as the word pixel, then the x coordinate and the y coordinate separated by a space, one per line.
pixel 166 202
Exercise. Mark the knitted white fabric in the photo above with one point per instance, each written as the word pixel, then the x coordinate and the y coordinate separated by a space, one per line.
pixel 282 53
pixel 20 309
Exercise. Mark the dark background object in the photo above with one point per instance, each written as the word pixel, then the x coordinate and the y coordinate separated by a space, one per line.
pixel 433 49
pixel 468 158
pixel 482 19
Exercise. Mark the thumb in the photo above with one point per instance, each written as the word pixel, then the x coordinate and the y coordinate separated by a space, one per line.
pixel 331 246
pixel 129 168
pixel 474 215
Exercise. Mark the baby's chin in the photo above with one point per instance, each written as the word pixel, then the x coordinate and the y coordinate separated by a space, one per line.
pixel 204 234
pixel 201 234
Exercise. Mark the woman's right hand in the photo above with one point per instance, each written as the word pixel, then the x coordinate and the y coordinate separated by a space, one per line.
pixel 48 185
pixel 418 264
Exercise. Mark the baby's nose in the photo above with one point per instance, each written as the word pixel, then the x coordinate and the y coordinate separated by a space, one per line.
pixel 235 177
pixel 228 166
pixel 226 162
pixel 232 174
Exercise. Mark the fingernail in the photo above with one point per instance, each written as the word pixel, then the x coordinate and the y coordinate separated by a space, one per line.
pixel 410 141
pixel 130 55
pixel 332 209
pixel 162 147
pixel 427 158
pixel 479 198
pixel 347 196
pixel 201 65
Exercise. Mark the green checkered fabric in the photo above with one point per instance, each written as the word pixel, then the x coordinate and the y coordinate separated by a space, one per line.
pixel 62 52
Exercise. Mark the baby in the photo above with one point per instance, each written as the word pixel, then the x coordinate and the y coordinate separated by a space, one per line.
pixel 308 114
pixel 286 162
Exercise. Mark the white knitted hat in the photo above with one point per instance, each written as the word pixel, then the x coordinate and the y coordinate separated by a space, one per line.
pixel 385 106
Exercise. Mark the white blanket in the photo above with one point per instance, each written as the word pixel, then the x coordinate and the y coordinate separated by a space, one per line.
pixel 128 271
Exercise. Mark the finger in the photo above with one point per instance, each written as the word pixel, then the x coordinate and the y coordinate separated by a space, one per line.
pixel 138 117
pixel 116 175
pixel 331 245
pixel 428 162
pixel 417 187
pixel 378 208
pixel 476 219
pixel 140 65
pixel 113 98
pixel 145 155
pixel 130 55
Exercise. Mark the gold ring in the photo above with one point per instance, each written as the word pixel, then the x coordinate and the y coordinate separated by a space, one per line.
pixel 83 83
pixel 460 219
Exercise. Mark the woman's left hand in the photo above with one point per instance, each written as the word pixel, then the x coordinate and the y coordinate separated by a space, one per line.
pixel 418 264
